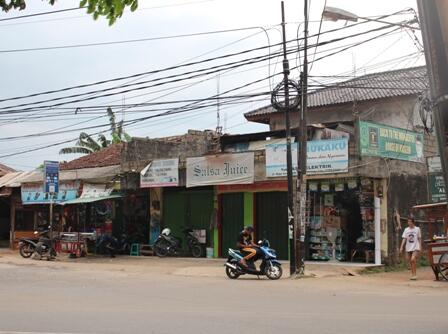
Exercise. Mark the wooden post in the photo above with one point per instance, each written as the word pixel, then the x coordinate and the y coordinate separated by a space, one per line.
pixel 12 219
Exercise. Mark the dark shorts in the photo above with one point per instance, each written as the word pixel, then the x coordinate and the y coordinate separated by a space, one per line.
pixel 410 254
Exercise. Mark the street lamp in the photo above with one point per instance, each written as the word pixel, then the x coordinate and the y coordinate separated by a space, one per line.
pixel 336 14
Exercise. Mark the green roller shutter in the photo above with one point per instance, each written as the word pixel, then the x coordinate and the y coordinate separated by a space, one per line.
pixel 272 220
pixel 232 220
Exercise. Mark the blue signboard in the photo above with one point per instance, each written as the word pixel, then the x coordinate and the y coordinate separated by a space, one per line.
pixel 35 194
pixel 51 176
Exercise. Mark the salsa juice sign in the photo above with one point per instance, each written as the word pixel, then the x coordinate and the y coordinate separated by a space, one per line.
pixel 323 157
pixel 388 142
pixel 220 169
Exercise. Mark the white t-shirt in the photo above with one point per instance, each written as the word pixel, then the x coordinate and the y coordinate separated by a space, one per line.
pixel 413 237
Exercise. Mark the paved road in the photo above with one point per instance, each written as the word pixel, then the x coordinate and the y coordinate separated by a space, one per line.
pixel 55 298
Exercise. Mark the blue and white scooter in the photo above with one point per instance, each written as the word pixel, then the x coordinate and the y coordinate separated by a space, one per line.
pixel 269 267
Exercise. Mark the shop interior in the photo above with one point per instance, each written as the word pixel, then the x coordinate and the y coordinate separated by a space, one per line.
pixel 341 220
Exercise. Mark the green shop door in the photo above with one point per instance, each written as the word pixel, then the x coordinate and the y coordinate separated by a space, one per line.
pixel 232 220
pixel 187 209
pixel 272 220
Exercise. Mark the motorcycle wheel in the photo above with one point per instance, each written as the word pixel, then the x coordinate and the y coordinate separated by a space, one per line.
pixel 26 250
pixel 160 250
pixel 196 251
pixel 232 273
pixel 274 272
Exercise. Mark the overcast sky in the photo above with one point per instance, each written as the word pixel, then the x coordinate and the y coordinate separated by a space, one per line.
pixel 38 71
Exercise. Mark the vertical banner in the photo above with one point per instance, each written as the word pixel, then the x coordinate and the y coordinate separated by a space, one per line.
pixel 51 176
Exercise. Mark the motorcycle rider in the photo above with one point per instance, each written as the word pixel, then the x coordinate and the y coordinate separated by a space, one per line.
pixel 246 245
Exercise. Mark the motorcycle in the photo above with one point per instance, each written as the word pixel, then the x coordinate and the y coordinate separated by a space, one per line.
pixel 269 267
pixel 27 246
pixel 108 244
pixel 166 244
pixel 46 246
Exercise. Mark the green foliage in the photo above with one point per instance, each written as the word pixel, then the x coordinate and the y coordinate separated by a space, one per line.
pixel 86 144
pixel 111 9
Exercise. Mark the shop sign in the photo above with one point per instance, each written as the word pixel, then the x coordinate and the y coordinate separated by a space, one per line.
pixel 323 157
pixel 51 176
pixel 437 188
pixel 160 173
pixel 434 164
pixel 35 194
pixel 388 142
pixel 220 169
pixel 90 190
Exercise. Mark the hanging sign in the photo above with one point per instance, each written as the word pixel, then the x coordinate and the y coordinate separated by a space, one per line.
pixel 160 173
pixel 220 169
pixel 51 176
pixel 384 141
pixel 323 157
pixel 35 194
pixel 437 188
pixel 434 164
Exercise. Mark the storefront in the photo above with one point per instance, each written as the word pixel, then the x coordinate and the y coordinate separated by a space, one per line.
pixel 341 216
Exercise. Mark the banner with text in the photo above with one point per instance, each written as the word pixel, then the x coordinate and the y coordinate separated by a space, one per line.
pixel 378 140
pixel 35 193
pixel 323 157
pixel 221 169
pixel 160 173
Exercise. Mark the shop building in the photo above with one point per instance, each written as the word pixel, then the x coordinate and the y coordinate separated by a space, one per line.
pixel 385 172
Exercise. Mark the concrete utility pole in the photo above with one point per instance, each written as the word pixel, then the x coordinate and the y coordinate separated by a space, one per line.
pixel 300 228
pixel 434 24
pixel 286 106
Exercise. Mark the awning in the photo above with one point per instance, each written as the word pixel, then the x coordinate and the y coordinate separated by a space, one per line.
pixel 90 199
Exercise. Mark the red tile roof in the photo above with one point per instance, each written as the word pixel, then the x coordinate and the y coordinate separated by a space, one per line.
pixel 109 156
pixel 5 170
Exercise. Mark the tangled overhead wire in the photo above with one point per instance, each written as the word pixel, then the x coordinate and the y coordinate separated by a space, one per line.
pixel 278 96
pixel 426 113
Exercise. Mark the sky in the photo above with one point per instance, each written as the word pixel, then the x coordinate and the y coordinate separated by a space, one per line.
pixel 242 26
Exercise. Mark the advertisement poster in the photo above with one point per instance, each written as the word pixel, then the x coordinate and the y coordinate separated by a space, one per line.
pixel 388 142
pixel 437 190
pixel 220 169
pixel 160 173
pixel 35 194
pixel 323 157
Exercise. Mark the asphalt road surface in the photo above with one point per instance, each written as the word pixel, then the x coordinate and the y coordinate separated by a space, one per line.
pixel 52 298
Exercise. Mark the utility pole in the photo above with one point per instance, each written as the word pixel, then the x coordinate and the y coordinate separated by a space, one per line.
pixel 300 227
pixel 286 106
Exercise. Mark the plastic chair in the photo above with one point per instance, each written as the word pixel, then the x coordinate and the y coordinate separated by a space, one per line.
pixel 135 250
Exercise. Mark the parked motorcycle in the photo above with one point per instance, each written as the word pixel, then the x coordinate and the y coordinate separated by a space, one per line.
pixel 27 246
pixel 166 244
pixel 110 245
pixel 46 246
pixel 269 267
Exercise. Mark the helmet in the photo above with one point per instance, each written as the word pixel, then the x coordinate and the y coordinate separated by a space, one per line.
pixel 249 228
pixel 166 231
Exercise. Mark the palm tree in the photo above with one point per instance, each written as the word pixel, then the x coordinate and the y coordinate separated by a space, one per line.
pixel 86 144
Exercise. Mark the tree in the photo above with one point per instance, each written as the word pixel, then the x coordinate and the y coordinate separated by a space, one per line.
pixel 86 144
pixel 111 9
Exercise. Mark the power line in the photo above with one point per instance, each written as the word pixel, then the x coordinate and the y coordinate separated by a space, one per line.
pixel 41 14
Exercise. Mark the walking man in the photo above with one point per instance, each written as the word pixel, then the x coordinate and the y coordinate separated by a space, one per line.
pixel 412 242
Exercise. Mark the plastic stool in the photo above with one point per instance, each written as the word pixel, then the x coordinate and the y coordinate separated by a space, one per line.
pixel 135 250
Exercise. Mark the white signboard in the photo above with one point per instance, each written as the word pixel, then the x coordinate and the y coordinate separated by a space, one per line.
pixel 95 190
pixel 235 168
pixel 434 164
pixel 323 157
pixel 160 173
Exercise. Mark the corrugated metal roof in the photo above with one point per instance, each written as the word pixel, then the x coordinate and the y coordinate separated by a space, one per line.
pixel 402 82
pixel 97 173
pixel 14 180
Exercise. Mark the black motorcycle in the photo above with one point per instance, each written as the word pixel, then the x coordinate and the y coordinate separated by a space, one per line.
pixel 46 246
pixel 111 246
pixel 166 244
pixel 27 246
